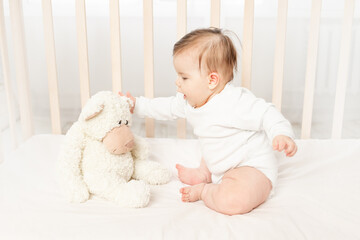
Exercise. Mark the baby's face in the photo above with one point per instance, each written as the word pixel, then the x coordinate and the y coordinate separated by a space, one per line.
pixel 190 81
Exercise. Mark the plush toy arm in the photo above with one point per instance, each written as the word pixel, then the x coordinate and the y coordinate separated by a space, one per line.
pixel 151 172
pixel 69 165
pixel 126 194
pixel 141 149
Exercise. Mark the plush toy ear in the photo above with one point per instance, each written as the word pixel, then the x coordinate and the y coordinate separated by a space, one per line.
pixel 95 111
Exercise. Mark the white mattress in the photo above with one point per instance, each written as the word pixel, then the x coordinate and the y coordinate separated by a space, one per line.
pixel 317 197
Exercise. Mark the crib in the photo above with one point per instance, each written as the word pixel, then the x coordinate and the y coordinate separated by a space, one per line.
pixel 318 192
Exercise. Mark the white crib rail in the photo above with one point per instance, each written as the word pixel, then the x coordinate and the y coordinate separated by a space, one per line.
pixel 181 31
pixel 115 42
pixel 215 13
pixel 22 74
pixel 51 66
pixel 82 51
pixel 311 68
pixel 343 69
pixel 149 60
pixel 7 82
pixel 247 43
pixel 17 24
pixel 279 53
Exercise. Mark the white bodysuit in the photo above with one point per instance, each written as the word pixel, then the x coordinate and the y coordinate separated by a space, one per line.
pixel 233 128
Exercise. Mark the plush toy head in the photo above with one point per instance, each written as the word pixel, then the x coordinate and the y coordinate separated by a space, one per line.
pixel 113 111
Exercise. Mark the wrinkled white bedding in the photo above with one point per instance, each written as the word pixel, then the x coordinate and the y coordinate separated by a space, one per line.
pixel 317 197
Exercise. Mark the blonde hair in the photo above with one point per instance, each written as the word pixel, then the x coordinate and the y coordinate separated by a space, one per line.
pixel 214 47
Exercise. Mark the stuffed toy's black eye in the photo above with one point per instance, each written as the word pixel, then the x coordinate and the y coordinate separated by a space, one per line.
pixel 126 123
pixel 120 122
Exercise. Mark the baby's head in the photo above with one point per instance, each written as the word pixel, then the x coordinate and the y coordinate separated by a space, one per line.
pixel 205 60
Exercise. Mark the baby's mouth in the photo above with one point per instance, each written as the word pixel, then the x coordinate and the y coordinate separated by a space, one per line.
pixel 184 96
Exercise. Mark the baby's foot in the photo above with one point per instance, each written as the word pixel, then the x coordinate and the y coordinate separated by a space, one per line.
pixel 193 193
pixel 193 176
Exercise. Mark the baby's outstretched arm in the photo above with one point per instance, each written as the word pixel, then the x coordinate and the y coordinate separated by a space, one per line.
pixel 286 144
pixel 132 99
pixel 159 108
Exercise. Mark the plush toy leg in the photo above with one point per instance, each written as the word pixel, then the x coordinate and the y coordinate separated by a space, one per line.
pixel 125 194
pixel 151 172
pixel 70 156
pixel 76 191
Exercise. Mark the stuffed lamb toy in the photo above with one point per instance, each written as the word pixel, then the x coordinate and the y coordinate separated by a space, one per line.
pixel 101 156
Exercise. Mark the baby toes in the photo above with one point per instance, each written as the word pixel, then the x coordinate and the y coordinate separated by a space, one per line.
pixel 185 194
pixel 185 198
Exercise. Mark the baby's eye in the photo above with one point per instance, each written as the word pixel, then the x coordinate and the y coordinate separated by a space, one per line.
pixel 184 78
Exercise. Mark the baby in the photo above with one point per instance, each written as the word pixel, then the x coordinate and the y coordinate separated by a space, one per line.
pixel 238 170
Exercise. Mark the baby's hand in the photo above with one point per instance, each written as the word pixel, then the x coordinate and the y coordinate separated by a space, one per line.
pixel 131 97
pixel 285 143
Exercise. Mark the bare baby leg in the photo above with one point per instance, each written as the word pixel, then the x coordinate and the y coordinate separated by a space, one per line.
pixel 192 176
pixel 241 190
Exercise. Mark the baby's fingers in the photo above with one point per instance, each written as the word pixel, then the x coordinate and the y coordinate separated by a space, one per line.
pixel 290 147
pixel 275 145
pixel 282 146
pixel 292 153
pixel 121 94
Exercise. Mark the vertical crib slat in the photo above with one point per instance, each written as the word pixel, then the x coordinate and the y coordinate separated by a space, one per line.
pixel 51 66
pixel 247 43
pixel 311 69
pixel 279 53
pixel 1 149
pixel 343 69
pixel 148 60
pixel 181 18
pixel 181 31
pixel 215 13
pixel 7 82
pixel 22 73
pixel 115 45
pixel 82 50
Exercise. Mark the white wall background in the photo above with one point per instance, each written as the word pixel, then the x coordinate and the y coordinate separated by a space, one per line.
pixel 165 36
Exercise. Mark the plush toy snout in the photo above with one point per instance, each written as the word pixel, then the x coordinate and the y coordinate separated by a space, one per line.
pixel 119 140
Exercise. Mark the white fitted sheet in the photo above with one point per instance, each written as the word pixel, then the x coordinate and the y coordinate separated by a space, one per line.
pixel 317 197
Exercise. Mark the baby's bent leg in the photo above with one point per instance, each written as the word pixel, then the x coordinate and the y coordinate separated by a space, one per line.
pixel 193 176
pixel 241 190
